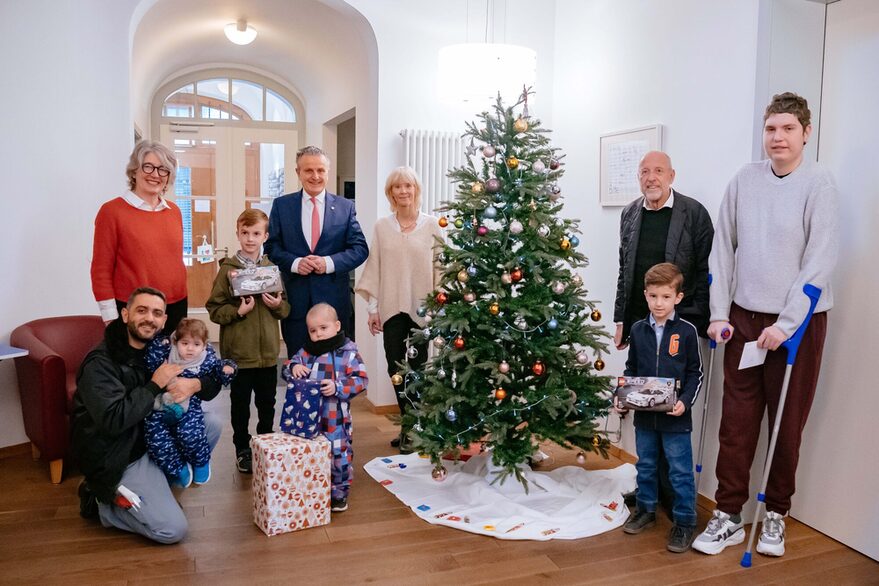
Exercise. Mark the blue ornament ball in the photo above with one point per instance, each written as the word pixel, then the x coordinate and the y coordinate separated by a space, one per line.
pixel 490 212
pixel 451 415
pixel 471 271
pixel 574 241
pixel 552 324
pixel 421 311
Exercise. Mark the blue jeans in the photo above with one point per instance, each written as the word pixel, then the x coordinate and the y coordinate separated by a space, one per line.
pixel 679 453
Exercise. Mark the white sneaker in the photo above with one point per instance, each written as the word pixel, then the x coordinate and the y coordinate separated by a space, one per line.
pixel 772 535
pixel 719 533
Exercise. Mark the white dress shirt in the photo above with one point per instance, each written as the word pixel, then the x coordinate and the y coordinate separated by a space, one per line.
pixel 307 208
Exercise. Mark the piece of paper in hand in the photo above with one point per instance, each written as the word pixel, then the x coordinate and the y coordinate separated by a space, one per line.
pixel 752 355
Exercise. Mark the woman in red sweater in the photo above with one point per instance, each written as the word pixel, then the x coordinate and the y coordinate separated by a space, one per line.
pixel 139 238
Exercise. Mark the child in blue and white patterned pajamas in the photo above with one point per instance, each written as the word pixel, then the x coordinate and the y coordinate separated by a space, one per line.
pixel 175 432
pixel 333 359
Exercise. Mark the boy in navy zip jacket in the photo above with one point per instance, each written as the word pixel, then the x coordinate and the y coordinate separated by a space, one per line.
pixel 664 344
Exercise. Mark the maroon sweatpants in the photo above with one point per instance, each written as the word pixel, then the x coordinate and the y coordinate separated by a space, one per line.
pixel 746 395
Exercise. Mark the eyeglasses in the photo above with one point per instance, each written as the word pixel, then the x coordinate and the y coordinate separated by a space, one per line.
pixel 148 169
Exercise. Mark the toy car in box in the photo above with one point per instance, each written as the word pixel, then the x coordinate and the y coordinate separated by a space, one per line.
pixel 647 393
pixel 255 280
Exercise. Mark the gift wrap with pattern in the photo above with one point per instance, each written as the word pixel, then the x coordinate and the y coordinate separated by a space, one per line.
pixel 301 413
pixel 291 482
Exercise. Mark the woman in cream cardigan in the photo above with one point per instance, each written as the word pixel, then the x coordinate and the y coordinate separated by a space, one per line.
pixel 399 274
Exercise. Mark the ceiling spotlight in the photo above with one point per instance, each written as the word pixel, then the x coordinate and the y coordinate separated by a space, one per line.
pixel 240 32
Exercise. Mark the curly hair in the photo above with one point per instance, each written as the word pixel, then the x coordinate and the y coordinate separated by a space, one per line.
pixel 790 103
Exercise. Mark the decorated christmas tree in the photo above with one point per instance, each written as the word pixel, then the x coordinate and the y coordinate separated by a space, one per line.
pixel 515 353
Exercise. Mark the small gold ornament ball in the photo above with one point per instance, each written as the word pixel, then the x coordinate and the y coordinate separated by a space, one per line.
pixel 443 222
pixel 565 244
pixel 463 276
pixel 477 187
pixel 599 364
pixel 500 394
pixel 595 315
pixel 581 458
pixel 494 309
pixel 520 125
pixel 512 162
pixel 439 473
pixel 396 379
pixel 596 441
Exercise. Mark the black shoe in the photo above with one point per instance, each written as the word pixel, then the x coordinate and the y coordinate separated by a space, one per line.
pixel 639 521
pixel 338 505
pixel 680 538
pixel 88 503
pixel 244 461
pixel 395 443
pixel 631 498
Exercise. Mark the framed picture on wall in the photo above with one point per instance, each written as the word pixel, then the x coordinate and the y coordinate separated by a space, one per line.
pixel 620 154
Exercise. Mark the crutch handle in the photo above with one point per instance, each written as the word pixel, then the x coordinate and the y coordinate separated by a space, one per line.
pixel 793 343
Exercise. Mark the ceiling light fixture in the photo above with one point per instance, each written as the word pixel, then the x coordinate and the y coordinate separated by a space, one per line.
pixel 240 32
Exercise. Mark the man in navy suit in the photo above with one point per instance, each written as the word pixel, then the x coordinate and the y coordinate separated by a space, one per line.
pixel 316 241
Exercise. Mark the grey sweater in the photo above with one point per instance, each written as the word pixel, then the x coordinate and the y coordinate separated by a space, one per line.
pixel 772 237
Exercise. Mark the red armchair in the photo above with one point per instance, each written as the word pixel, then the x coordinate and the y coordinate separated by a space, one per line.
pixel 47 380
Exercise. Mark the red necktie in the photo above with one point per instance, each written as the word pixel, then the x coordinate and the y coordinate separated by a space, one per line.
pixel 315 224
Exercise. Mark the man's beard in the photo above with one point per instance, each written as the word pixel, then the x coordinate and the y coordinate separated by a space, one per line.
pixel 132 331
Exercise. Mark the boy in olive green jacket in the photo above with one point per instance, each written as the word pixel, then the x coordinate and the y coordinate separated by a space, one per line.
pixel 249 335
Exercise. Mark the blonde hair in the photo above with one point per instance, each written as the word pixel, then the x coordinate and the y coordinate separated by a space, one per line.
pixel 403 175
pixel 141 150
pixel 320 308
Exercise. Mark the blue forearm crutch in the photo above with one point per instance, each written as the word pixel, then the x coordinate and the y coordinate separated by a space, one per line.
pixel 793 346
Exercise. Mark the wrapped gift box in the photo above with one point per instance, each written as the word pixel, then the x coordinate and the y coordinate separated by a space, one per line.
pixel 291 482
pixel 301 413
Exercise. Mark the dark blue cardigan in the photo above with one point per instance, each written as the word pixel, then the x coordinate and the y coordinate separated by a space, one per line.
pixel 677 357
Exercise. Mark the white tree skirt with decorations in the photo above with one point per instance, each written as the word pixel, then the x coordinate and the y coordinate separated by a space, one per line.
pixel 566 503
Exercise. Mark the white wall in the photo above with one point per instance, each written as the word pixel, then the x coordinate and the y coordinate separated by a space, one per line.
pixel 64 140
pixel 622 65
pixel 838 476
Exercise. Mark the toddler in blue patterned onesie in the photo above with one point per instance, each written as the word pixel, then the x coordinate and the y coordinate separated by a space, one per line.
pixel 175 432
pixel 333 359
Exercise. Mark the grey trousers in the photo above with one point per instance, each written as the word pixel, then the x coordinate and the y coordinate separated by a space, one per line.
pixel 159 518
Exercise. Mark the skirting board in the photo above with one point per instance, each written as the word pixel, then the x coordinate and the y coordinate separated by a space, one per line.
pixel 15 450
pixel 382 409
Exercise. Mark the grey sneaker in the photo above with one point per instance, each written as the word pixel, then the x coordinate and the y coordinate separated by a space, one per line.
pixel 244 461
pixel 639 521
pixel 772 535
pixel 338 505
pixel 680 538
pixel 720 533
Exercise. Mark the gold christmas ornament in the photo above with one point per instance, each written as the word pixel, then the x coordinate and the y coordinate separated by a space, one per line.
pixel 596 441
pixel 477 187
pixel 500 394
pixel 512 162
pixel 599 364
pixel 520 125
pixel 565 244
pixel 463 276
pixel 396 379
pixel 443 222
pixel 595 315
pixel 494 309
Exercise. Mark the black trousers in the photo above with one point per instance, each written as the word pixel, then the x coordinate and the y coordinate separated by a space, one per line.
pixel 262 382
pixel 396 330
pixel 175 311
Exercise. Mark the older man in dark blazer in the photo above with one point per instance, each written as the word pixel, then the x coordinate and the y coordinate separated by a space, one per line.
pixel 316 241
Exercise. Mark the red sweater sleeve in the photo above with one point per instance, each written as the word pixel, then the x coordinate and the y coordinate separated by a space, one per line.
pixel 104 252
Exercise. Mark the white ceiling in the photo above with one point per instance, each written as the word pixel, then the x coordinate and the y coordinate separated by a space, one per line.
pixel 309 45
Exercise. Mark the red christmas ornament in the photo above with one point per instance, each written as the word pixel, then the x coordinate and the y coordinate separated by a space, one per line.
pixel 538 368
pixel 516 275
pixel 441 298
pixel 500 394
pixel 459 343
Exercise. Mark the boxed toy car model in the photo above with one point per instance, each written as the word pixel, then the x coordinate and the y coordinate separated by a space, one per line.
pixel 647 393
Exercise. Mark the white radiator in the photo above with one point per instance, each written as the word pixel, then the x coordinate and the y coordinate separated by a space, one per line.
pixel 433 154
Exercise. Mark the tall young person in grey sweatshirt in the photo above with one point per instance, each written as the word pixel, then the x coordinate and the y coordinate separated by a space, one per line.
pixel 777 230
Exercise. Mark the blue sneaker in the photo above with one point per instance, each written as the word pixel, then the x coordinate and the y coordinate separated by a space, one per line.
pixel 201 474
pixel 183 478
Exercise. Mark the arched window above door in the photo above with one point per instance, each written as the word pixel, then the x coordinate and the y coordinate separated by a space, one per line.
pixel 228 98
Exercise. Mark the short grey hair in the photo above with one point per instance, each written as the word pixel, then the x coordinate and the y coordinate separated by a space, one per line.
pixel 311 150
pixel 141 150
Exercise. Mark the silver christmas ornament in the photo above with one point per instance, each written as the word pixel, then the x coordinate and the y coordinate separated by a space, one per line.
pixel 558 287
pixel 538 167
pixel 516 227
pixel 439 342
pixel 451 415
pixel 490 212
pixel 582 357
pixel 440 373
pixel 488 151
pixel 543 231
pixel 412 352
pixel 439 474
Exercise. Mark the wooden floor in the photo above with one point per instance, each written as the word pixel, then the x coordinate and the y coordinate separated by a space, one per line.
pixel 378 540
